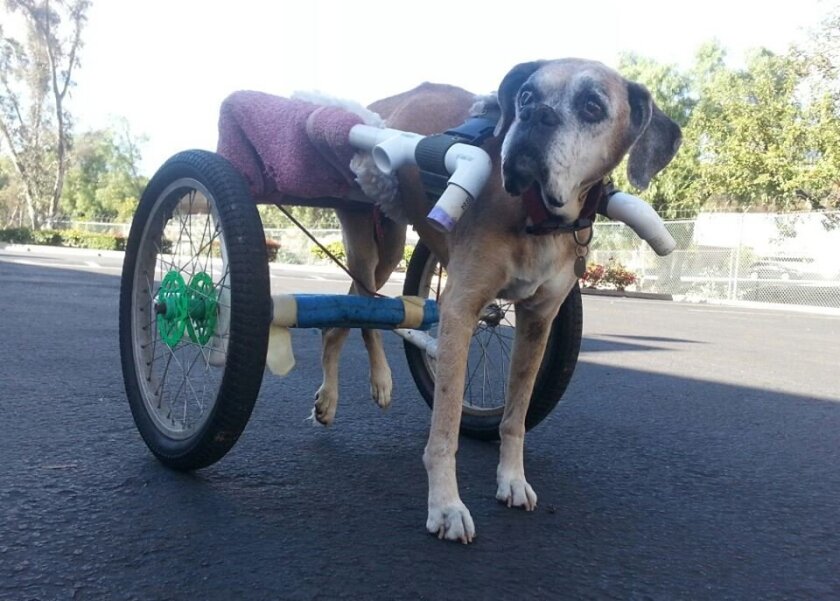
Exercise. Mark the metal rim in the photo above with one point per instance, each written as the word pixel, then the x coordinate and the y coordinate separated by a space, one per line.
pixel 179 379
pixel 488 363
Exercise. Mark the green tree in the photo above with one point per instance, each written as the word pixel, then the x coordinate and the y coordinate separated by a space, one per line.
pixel 672 193
pixel 103 182
pixel 821 57
pixel 10 205
pixel 35 77
pixel 766 135
pixel 755 144
pixel 310 217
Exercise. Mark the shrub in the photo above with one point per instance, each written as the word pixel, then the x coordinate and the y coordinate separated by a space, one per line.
pixel 16 235
pixel 613 274
pixel 272 247
pixel 336 248
pixel 592 276
pixel 619 276
pixel 407 252
pixel 68 238
pixel 288 257
pixel 82 239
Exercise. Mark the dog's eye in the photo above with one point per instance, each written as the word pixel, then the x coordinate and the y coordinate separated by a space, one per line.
pixel 526 97
pixel 592 110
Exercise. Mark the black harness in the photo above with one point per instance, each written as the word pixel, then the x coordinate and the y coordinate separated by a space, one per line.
pixel 431 151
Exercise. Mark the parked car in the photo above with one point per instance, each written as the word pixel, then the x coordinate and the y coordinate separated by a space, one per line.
pixel 784 268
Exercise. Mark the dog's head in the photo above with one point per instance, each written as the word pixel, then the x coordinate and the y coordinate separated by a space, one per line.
pixel 568 123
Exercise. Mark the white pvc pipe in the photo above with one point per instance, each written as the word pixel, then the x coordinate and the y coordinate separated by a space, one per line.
pixel 470 167
pixel 365 137
pixel 449 208
pixel 422 340
pixel 396 151
pixel 643 219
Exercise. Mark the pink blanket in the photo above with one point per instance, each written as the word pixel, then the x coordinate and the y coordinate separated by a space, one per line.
pixel 293 147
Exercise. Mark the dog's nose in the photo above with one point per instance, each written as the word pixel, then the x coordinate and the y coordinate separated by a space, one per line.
pixel 540 114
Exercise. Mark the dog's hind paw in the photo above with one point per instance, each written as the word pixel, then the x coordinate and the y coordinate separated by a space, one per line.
pixel 516 492
pixel 325 404
pixel 451 522
pixel 380 389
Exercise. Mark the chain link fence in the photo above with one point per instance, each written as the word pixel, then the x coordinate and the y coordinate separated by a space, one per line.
pixel 296 248
pixel 96 227
pixel 791 258
pixel 775 258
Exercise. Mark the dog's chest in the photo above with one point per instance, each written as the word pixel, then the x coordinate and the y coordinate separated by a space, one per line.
pixel 539 264
pixel 519 288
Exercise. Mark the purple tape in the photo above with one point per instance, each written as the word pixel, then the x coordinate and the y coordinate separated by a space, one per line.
pixel 438 216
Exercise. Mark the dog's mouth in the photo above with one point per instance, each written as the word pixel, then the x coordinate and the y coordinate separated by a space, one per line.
pixel 536 193
pixel 525 175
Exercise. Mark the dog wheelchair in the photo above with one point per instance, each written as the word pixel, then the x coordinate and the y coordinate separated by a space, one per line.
pixel 196 308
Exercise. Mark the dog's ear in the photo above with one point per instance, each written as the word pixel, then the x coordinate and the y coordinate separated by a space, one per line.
pixel 656 137
pixel 508 90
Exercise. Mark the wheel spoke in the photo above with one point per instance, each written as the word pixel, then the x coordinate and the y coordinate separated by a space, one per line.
pixel 182 380
pixel 488 362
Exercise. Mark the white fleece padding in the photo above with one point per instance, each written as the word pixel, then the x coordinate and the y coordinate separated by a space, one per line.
pixel 376 185
pixel 316 97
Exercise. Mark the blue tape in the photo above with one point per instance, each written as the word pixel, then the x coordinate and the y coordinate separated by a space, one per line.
pixel 349 311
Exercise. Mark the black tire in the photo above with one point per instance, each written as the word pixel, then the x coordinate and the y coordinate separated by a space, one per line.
pixel 192 397
pixel 558 364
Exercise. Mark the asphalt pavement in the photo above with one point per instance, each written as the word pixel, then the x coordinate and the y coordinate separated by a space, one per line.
pixel 695 455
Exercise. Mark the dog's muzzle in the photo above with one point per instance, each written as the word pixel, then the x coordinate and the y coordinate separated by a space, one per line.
pixel 524 164
pixel 524 172
pixel 540 115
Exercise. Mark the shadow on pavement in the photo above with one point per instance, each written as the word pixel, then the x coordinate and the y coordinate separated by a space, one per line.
pixel 651 486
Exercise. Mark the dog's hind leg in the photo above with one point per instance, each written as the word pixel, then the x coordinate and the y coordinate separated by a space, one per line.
pixel 533 325
pixel 371 265
pixel 326 399
pixel 390 246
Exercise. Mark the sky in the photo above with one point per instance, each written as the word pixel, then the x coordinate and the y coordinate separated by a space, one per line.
pixel 166 65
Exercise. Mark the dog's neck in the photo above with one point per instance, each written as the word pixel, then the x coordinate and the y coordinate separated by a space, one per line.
pixel 541 222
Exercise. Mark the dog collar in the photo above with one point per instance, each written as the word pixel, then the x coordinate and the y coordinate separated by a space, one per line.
pixel 541 222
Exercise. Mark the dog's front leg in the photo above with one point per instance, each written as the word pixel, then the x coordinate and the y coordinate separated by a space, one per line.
pixel 533 325
pixel 448 517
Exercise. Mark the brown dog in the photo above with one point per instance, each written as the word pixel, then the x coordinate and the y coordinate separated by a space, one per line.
pixel 564 126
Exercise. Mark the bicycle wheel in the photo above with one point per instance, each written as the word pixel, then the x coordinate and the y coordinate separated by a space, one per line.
pixel 194 310
pixel 489 357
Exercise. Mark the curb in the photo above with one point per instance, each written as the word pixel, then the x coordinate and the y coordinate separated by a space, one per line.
pixel 626 294
pixel 326 269
pixel 59 250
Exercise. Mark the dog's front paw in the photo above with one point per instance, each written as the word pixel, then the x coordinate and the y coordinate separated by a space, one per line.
pixel 516 492
pixel 326 401
pixel 451 522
